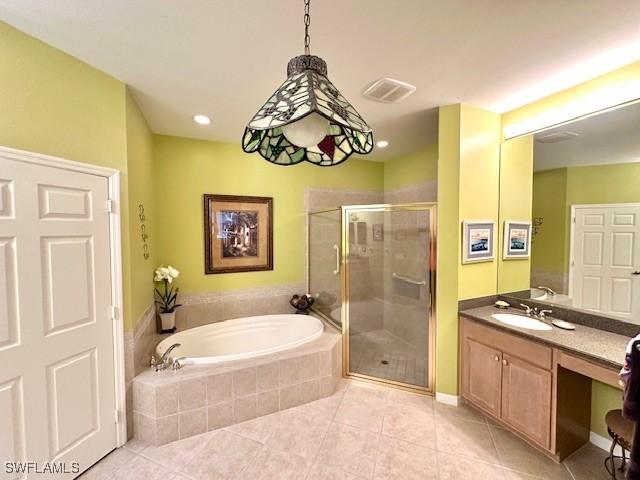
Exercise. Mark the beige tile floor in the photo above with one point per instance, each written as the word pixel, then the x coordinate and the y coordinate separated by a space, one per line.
pixel 405 363
pixel 361 432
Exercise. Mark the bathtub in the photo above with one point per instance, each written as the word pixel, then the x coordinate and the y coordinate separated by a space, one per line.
pixel 242 338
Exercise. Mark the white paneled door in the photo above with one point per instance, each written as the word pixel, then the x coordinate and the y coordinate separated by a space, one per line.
pixel 606 259
pixel 57 382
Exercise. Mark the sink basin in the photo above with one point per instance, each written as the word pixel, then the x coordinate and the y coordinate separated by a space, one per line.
pixel 521 321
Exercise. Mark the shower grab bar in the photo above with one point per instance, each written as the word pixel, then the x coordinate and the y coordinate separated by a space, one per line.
pixel 337 249
pixel 408 279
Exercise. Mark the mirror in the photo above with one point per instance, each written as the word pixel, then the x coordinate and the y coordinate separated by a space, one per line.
pixel 585 222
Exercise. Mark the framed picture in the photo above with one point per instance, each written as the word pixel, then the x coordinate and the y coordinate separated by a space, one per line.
pixel 238 233
pixel 517 239
pixel 377 230
pixel 477 241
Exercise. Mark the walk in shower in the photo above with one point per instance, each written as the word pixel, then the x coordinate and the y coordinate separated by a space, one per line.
pixel 371 269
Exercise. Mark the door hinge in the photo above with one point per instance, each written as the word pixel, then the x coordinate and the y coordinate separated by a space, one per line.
pixel 111 205
pixel 113 311
pixel 116 416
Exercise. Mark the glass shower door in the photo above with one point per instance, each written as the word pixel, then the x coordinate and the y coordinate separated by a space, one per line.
pixel 325 234
pixel 388 290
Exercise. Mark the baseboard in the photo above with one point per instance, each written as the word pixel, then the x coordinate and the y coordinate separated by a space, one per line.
pixel 604 443
pixel 448 399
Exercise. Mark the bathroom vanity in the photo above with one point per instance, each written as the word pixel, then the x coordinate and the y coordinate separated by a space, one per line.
pixel 537 383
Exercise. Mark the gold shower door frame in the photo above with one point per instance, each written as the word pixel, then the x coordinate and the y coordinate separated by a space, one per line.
pixel 430 314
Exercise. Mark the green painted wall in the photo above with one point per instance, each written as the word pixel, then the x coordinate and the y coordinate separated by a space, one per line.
pixel 617 183
pixel 185 169
pixel 468 168
pixel 555 191
pixel 140 187
pixel 417 167
pixel 549 252
pixel 479 191
pixel 516 186
pixel 603 399
pixel 448 249
pixel 54 104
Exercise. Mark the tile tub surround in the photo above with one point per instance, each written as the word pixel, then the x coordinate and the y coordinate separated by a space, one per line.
pixel 359 432
pixel 168 406
pixel 139 344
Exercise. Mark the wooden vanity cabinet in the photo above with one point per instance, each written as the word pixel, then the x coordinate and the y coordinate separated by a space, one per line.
pixel 483 376
pixel 526 399
pixel 508 377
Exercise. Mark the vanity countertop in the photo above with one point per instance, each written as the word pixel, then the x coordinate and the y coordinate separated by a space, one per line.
pixel 600 346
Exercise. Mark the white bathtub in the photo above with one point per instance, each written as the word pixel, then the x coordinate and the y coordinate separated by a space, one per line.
pixel 242 338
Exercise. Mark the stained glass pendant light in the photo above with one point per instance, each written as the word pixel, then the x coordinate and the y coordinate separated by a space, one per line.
pixel 307 118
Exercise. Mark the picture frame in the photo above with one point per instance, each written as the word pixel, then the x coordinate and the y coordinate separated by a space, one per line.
pixel 517 240
pixel 238 233
pixel 478 241
pixel 377 232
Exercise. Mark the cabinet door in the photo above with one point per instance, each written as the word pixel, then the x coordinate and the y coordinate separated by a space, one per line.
pixel 526 399
pixel 482 375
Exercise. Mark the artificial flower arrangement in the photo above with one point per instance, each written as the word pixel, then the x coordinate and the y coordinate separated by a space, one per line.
pixel 167 301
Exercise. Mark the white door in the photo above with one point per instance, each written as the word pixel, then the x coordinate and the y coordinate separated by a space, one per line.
pixel 606 259
pixel 57 387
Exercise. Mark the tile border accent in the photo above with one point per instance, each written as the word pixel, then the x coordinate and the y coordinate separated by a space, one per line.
pixel 240 294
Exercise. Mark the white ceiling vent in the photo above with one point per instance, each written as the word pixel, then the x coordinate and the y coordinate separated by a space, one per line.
pixel 556 137
pixel 388 90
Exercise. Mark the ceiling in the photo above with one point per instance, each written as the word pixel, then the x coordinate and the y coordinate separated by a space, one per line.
pixel 224 58
pixel 610 137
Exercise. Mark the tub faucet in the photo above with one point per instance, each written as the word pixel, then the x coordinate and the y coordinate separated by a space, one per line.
pixel 549 291
pixel 165 361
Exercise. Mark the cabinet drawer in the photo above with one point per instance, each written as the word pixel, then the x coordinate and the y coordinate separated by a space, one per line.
pixel 528 350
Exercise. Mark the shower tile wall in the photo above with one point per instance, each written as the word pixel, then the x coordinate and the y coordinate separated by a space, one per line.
pixel 420 192
pixel 327 198
pixel 325 232
pixel 405 311
pixel 388 316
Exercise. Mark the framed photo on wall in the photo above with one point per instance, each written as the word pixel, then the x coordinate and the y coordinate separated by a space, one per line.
pixel 238 233
pixel 517 240
pixel 477 241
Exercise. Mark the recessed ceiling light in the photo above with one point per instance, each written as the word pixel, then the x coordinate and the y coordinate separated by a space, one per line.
pixel 202 119
pixel 382 144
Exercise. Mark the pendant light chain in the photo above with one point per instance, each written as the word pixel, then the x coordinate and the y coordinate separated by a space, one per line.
pixel 307 22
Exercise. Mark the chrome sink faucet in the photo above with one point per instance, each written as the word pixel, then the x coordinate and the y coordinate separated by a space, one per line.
pixel 533 312
pixel 530 311
pixel 166 361
pixel 548 291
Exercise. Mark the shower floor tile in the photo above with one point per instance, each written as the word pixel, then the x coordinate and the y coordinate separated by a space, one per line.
pixel 420 439
pixel 379 353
